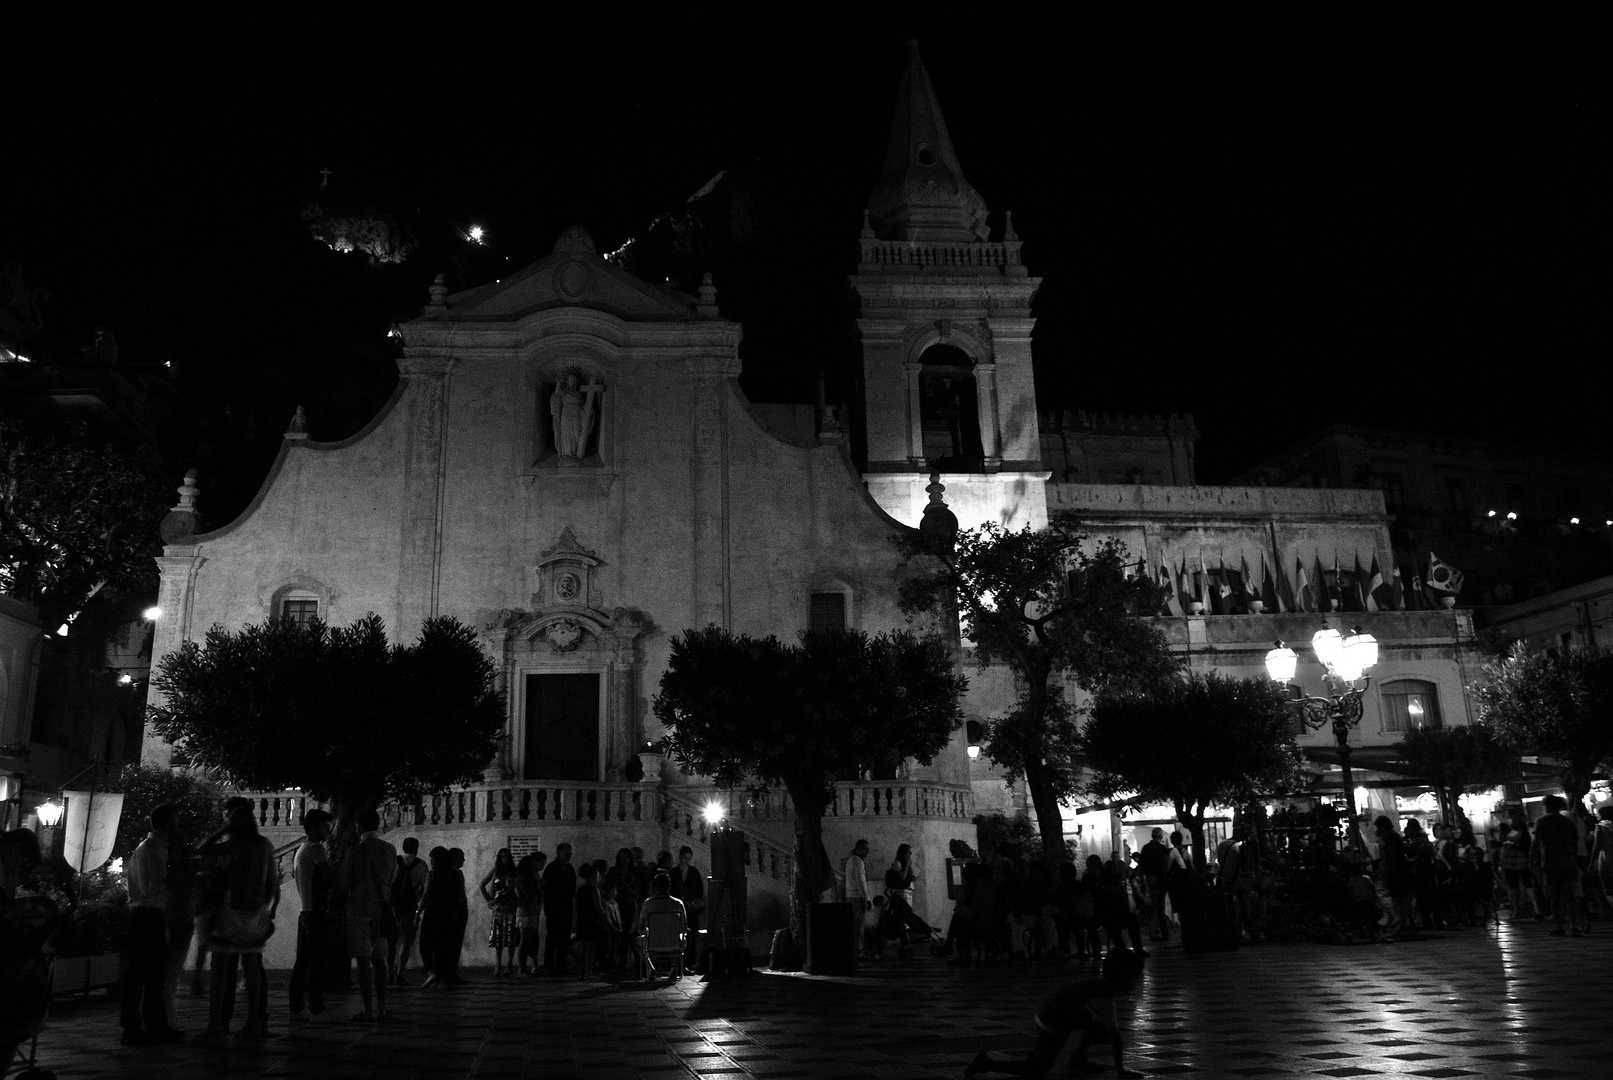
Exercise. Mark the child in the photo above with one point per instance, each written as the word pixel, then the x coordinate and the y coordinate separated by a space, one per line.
pixel 590 919
pixel 1086 1005
pixel 873 937
pixel 1364 901
pixel 613 924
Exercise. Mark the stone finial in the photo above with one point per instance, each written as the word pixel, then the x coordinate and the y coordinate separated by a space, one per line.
pixel 708 296
pixel 868 226
pixel 938 521
pixel 439 294
pixel 188 492
pixel 1009 235
pixel 299 424
pixel 577 241
pixel 178 526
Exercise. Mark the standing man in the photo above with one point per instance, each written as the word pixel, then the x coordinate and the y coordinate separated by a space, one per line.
pixel 856 879
pixel 1556 854
pixel 367 878
pixel 690 887
pixel 559 895
pixel 408 892
pixel 1151 861
pixel 145 945
pixel 312 871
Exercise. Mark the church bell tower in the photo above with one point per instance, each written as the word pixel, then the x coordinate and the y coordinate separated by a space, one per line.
pixel 945 326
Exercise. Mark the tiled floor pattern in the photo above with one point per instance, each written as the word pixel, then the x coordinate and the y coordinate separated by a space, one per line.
pixel 1484 1003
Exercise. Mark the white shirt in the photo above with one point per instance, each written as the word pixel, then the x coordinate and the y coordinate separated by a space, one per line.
pixel 148 874
pixel 856 878
pixel 309 857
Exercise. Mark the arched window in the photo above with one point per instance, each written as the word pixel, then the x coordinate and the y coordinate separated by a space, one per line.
pixel 1410 705
pixel 949 413
pixel 300 606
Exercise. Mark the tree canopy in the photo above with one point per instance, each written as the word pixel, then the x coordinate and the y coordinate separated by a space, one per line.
pixel 1055 608
pixel 1192 741
pixel 744 710
pixel 338 712
pixel 1557 704
pixel 1457 760
pixel 146 787
pixel 76 515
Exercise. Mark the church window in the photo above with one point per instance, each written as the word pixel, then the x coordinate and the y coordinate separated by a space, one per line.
pixel 828 611
pixel 1410 705
pixel 926 155
pixel 299 610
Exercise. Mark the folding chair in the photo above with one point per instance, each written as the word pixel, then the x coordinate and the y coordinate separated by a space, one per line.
pixel 662 937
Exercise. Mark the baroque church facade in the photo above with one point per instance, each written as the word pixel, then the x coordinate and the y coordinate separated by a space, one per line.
pixel 569 465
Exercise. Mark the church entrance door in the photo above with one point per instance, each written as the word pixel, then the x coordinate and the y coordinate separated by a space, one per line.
pixel 562 727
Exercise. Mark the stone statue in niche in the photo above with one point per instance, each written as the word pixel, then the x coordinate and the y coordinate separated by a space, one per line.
pixel 571 408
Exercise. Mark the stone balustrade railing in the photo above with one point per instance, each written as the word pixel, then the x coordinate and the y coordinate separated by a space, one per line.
pixel 852 798
pixel 919 253
pixel 902 799
pixel 556 801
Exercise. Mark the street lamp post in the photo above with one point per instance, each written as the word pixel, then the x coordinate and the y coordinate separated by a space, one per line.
pixel 1346 661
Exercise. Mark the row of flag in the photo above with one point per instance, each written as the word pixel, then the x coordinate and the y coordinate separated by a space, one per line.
pixel 1316 587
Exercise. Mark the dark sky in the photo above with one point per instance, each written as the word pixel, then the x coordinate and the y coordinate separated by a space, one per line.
pixel 1270 225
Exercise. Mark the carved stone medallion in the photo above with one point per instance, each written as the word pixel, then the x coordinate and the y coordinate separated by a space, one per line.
pixel 564 635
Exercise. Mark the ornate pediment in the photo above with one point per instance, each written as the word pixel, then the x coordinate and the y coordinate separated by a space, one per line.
pixel 573 276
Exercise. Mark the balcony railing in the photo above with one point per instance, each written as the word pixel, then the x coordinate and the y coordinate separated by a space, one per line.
pixel 924 255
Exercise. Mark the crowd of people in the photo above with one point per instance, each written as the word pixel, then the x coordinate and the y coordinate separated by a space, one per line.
pixel 220 896
pixel 1558 867
pixel 1020 909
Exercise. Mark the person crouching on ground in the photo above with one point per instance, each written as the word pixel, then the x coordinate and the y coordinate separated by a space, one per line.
pixel 1087 1006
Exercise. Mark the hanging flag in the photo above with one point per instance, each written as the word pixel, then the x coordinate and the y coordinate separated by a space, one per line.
pixel 1443 576
pixel 1184 583
pixel 1419 592
pixel 1271 585
pixel 1303 600
pixel 1374 583
pixel 1326 591
pixel 1204 582
pixel 1173 601
pixel 1397 589
pixel 1358 583
pixel 1251 584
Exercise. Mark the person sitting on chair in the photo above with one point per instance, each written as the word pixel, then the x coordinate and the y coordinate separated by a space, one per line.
pixel 661 902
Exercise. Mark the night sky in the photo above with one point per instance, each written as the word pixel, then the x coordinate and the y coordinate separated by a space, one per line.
pixel 1272 226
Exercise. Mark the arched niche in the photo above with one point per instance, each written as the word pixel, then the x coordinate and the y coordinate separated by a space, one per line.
pixel 949 409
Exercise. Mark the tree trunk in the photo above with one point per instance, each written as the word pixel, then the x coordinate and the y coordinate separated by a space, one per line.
pixel 813 871
pixel 1038 778
pixel 1049 815
pixel 1575 787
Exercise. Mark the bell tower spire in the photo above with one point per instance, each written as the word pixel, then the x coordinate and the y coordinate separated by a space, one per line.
pixel 922 194
pixel 945 326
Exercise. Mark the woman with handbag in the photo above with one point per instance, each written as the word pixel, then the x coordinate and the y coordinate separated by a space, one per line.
pixel 248 886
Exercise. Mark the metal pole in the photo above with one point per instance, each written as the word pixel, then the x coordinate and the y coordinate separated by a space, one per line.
pixel 1341 732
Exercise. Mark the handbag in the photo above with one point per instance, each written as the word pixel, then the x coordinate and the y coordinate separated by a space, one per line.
pixel 240 929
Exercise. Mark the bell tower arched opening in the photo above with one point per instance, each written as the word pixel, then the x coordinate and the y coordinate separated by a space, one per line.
pixel 949 410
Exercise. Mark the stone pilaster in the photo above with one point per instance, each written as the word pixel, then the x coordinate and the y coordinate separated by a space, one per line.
pixel 425 408
pixel 710 601
pixel 177 566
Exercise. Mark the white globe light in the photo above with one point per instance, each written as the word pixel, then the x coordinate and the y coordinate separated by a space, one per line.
pixel 1281 663
pixel 712 813
pixel 974 751
pixel 1327 644
pixel 152 613
pixel 1361 649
